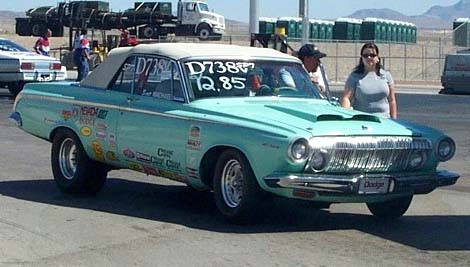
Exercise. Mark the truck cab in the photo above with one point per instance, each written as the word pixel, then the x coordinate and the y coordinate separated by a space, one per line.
pixel 456 74
pixel 195 15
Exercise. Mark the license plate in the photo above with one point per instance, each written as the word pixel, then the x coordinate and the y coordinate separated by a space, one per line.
pixel 373 185
pixel 44 78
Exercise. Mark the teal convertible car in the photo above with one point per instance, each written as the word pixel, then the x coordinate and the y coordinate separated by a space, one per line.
pixel 243 122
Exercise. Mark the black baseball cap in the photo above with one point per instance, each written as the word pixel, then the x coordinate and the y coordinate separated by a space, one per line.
pixel 310 50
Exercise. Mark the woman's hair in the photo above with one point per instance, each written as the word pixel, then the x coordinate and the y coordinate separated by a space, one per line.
pixel 360 67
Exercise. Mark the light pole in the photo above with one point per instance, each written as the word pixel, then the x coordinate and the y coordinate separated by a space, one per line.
pixel 254 17
pixel 303 13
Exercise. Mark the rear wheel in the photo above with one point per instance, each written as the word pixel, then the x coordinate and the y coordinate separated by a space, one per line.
pixel 74 171
pixel 391 209
pixel 148 32
pixel 38 28
pixel 236 191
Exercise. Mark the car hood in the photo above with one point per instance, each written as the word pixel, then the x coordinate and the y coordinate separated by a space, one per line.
pixel 29 56
pixel 289 116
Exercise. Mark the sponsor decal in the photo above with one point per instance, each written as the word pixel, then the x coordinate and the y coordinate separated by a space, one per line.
pixel 194 142
pixel 128 153
pixel 173 165
pixel 85 131
pixel 194 132
pixel 193 145
pixel 97 150
pixel 270 145
pixel 143 157
pixel 192 173
pixel 112 140
pixel 111 155
pixel 136 167
pixel 158 161
pixel 167 174
pixel 161 152
pixel 67 114
pixel 89 114
pixel 49 121
pixel 102 114
pixel 101 126
pixel 173 176
pixel 101 135
pixel 151 171
pixel 89 111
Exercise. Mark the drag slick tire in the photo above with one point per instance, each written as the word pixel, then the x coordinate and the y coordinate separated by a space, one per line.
pixel 74 172
pixel 391 209
pixel 236 192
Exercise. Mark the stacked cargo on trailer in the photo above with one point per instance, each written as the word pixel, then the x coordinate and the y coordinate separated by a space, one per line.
pixel 152 19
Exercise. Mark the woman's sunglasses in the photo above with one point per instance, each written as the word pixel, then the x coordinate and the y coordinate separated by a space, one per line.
pixel 369 55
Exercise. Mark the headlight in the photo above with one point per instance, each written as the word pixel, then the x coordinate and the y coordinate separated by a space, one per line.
pixel 445 149
pixel 299 150
pixel 417 159
pixel 319 160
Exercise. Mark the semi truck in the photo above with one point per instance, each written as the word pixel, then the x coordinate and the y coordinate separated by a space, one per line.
pixel 149 19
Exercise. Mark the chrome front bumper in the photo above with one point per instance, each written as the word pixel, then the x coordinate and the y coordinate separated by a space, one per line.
pixel 330 184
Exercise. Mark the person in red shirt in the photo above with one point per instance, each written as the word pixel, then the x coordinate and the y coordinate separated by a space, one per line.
pixel 42 45
pixel 127 40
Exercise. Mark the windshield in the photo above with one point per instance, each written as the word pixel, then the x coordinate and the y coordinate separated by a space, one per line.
pixel 457 62
pixel 9 46
pixel 232 78
pixel 203 7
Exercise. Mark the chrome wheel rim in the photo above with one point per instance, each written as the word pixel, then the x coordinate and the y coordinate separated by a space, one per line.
pixel 67 158
pixel 232 183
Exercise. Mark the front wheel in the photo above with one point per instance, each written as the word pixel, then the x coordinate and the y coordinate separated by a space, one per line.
pixel 391 209
pixel 236 191
pixel 74 171
pixel 204 32
pixel 15 87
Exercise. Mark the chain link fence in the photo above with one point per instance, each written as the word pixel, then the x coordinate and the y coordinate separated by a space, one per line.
pixel 420 62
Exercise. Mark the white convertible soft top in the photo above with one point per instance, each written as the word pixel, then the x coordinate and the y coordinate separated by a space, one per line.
pixel 102 75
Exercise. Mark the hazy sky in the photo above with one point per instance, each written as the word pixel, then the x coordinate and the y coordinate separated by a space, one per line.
pixel 239 9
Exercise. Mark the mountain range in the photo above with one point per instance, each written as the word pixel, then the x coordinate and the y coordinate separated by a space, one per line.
pixel 437 17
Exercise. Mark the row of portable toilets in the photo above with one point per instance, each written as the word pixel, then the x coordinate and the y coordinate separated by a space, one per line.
pixel 345 29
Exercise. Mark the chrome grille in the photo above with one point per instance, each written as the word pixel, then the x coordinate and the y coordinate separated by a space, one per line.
pixel 368 154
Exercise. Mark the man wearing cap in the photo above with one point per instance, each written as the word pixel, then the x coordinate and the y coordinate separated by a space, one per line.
pixel 310 56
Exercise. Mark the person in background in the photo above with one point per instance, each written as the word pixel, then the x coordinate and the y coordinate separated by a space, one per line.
pixel 42 45
pixel 369 87
pixel 81 55
pixel 310 56
pixel 127 40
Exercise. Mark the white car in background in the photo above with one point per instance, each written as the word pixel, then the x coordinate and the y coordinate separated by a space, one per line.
pixel 19 65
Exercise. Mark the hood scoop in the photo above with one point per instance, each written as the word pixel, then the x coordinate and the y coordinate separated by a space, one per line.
pixel 358 117
pixel 310 115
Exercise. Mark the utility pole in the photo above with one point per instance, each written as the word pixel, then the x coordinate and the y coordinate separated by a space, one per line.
pixel 254 17
pixel 303 13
